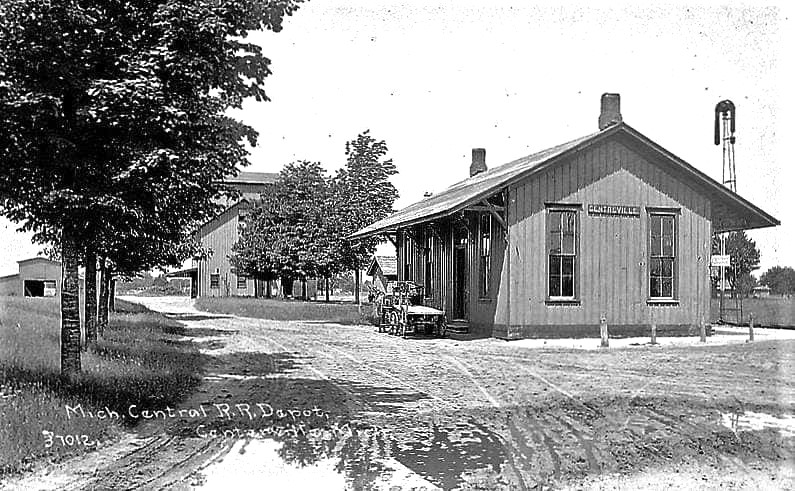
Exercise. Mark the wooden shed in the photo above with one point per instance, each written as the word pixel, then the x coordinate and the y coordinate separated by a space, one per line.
pixel 37 277
pixel 383 270
pixel 608 225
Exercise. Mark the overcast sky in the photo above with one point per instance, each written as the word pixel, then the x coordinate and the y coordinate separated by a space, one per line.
pixel 436 78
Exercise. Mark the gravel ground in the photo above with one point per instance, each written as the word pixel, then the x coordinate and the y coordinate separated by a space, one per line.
pixel 363 410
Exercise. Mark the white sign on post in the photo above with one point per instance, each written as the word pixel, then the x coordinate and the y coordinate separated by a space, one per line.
pixel 719 260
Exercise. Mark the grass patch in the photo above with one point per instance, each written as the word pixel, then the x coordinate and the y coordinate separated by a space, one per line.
pixel 770 311
pixel 125 307
pixel 286 310
pixel 138 361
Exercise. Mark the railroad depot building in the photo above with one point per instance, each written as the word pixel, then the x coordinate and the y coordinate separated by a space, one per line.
pixel 610 224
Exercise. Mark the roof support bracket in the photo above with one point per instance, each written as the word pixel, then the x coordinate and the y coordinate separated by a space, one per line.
pixel 434 229
pixel 391 239
pixel 496 214
pixel 461 218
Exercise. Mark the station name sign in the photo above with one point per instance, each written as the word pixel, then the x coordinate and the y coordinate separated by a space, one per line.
pixel 614 210
pixel 721 261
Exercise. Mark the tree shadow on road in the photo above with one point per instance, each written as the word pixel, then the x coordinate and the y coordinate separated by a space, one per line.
pixel 188 317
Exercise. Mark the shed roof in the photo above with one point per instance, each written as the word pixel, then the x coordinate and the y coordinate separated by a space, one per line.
pixel 476 188
pixel 182 273
pixel 388 265
pixel 39 259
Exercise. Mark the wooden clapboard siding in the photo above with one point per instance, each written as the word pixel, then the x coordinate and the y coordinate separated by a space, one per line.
pixel 613 262
pixel 220 235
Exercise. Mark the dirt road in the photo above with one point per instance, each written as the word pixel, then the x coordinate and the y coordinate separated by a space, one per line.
pixel 290 405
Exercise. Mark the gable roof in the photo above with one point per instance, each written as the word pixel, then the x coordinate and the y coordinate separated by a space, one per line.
pixel 478 187
pixel 212 223
pixel 256 182
pixel 388 265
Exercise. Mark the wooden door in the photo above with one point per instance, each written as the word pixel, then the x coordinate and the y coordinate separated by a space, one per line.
pixel 460 274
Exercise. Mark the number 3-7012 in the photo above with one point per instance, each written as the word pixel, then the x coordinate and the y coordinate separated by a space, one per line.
pixel 51 438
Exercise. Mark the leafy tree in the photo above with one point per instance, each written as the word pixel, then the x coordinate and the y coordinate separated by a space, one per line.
pixel 255 253
pixel 745 284
pixel 113 124
pixel 285 235
pixel 780 279
pixel 744 256
pixel 160 281
pixel 345 282
pixel 362 194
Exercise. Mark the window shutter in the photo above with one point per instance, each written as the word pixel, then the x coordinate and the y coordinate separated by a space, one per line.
pixel 548 233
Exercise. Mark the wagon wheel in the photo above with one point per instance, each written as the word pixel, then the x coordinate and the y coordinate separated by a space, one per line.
pixel 392 316
pixel 441 326
pixel 383 325
pixel 403 323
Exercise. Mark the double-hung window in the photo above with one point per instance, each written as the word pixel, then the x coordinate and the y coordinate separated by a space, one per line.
pixel 562 253
pixel 484 279
pixel 242 282
pixel 408 261
pixel 662 255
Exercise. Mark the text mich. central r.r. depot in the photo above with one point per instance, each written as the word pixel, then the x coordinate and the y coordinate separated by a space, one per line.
pixel 242 410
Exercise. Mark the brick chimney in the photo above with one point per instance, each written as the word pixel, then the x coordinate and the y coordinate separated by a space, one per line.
pixel 478 161
pixel 611 110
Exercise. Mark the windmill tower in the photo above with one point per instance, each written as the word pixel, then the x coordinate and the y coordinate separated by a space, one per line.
pixel 725 125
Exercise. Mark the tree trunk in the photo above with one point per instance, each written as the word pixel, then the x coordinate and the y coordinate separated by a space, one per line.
pixel 70 306
pixel 267 288
pixel 325 287
pixel 112 294
pixel 91 298
pixel 287 287
pixel 356 287
pixel 104 283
